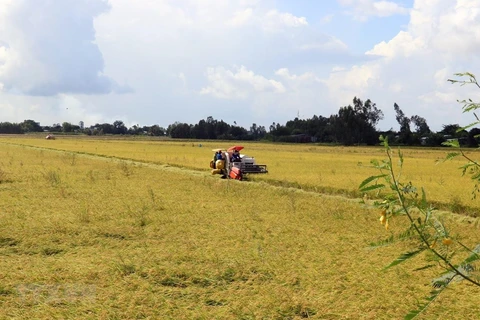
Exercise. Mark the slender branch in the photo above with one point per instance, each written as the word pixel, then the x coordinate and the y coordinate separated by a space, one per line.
pixel 412 221
pixel 469 159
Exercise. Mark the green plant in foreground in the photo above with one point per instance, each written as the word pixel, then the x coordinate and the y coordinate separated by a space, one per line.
pixel 472 167
pixel 427 232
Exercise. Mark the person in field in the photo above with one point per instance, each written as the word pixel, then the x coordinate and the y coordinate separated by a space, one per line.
pixel 235 156
pixel 217 156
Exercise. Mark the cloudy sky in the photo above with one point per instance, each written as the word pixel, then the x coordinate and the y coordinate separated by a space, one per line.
pixel 249 61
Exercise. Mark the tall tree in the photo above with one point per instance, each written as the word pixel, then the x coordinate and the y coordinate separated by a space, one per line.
pixel 344 124
pixel 67 127
pixel 156 130
pixel 421 126
pixel 180 130
pixel 7 127
pixel 356 125
pixel 31 126
pixel 119 127
pixel 450 130
pixel 405 134
pixel 367 111
pixel 257 132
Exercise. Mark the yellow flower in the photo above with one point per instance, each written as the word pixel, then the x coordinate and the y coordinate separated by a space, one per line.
pixel 447 241
pixel 383 217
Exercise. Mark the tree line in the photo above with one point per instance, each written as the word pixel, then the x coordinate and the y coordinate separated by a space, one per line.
pixel 355 124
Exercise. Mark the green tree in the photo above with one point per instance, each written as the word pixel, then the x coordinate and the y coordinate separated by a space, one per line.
pixel 31 126
pixel 156 130
pixel 119 127
pixel 368 112
pixel 421 126
pixel 10 128
pixel 67 127
pixel 405 134
pixel 179 130
pixel 104 128
pixel 356 124
pixel 344 124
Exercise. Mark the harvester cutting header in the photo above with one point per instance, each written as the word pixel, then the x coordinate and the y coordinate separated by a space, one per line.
pixel 231 164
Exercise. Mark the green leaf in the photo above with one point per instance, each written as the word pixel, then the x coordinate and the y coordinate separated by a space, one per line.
pixel 451 155
pixel 470 125
pixel 384 141
pixel 377 164
pixel 408 234
pixel 370 179
pixel 425 267
pixel 469 106
pixel 422 307
pixel 474 256
pixel 452 143
pixel 423 202
pixel 403 258
pixel 400 157
pixel 374 187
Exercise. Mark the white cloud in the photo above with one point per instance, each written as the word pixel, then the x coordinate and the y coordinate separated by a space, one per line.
pixel 363 9
pixel 49 110
pixel 167 51
pixel 182 78
pixel 50 48
pixel 403 44
pixel 328 45
pixel 395 87
pixel 338 69
pixel 343 85
pixel 284 95
pixel 238 84
pixel 413 67
pixel 277 21
pixel 271 21
pixel 162 48
pixel 3 55
pixel 327 19
pixel 293 78
pixel 241 18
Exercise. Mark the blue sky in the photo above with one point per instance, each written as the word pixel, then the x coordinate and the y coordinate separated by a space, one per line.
pixel 359 35
pixel 250 61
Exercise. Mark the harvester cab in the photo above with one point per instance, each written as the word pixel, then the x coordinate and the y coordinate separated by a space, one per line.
pixel 234 165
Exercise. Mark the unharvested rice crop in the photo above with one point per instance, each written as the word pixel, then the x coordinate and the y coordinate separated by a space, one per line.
pixel 333 170
pixel 90 236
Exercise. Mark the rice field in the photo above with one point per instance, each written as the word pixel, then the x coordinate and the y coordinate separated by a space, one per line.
pixel 333 170
pixel 124 229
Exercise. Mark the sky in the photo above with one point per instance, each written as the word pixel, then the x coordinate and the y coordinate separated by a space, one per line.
pixel 151 62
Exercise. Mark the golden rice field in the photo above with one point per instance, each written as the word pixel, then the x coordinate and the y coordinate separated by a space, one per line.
pixel 139 229
pixel 333 170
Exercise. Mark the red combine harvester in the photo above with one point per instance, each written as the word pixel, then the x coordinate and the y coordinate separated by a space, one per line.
pixel 231 164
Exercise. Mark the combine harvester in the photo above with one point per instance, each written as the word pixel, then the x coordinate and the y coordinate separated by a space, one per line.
pixel 231 164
